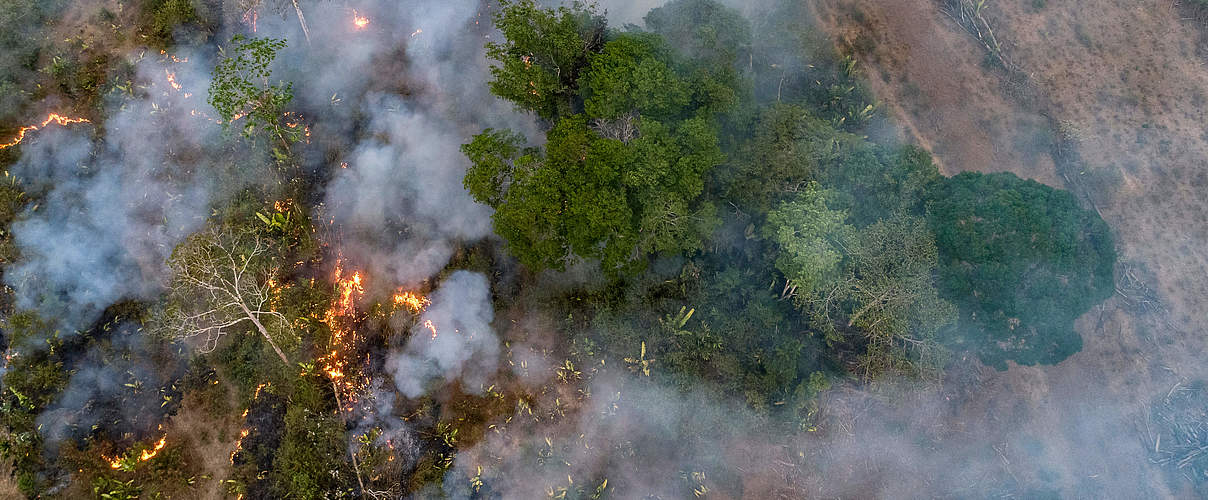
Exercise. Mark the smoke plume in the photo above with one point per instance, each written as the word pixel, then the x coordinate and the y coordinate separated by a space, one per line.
pixel 453 340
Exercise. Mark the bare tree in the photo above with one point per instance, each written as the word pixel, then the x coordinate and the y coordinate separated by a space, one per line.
pixel 623 128
pixel 222 278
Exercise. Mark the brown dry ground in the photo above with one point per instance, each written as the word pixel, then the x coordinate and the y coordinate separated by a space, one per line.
pixel 1127 78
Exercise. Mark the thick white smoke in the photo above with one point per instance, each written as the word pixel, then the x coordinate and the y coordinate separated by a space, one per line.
pixel 462 347
pixel 113 210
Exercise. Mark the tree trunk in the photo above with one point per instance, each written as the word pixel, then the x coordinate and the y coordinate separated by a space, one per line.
pixel 302 21
pixel 263 331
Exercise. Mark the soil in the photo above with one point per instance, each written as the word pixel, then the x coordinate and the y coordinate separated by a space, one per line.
pixel 1124 80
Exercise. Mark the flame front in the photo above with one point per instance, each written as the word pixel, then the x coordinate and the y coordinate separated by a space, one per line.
pixel 149 454
pixel 245 431
pixel 359 21
pixel 415 303
pixel 343 337
pixel 52 118
pixel 127 461
pixel 172 80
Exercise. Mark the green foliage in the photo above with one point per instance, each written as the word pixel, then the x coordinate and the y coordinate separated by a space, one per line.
pixel 568 199
pixel 595 197
pixel 894 302
pixel 631 75
pixel 617 182
pixel 704 31
pixel 791 147
pixel 539 65
pixel 875 181
pixel 1023 261
pixel 161 18
pixel 242 89
pixel 781 155
pixel 12 201
pixel 310 462
pixel 810 239
pixel 34 378
pixel 23 39
pixel 882 299
pixel 108 488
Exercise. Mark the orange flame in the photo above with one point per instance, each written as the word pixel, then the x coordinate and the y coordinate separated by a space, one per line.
pixel 53 117
pixel 245 431
pixel 432 328
pixel 415 303
pixel 126 461
pixel 173 57
pixel 343 338
pixel 359 21
pixel 172 80
pixel 149 454
pixel 417 32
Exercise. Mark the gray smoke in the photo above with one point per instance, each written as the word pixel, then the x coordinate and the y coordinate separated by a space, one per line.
pixel 112 210
pixel 464 346
pixel 116 385
pixel 406 177
pixel 399 207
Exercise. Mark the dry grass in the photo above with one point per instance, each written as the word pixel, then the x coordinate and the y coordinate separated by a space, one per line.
pixel 1122 80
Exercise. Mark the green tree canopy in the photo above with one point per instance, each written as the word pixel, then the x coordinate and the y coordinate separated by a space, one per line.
pixel 619 180
pixel 893 297
pixel 631 75
pixel 1023 261
pixel 810 238
pixel 543 55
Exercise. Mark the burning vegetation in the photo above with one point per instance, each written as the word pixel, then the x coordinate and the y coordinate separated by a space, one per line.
pixel 54 118
pixel 643 300
pixel 344 342
pixel 128 461
pixel 359 21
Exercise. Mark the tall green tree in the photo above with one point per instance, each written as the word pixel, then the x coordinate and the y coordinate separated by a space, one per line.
pixel 1023 261
pixel 894 301
pixel 539 64
pixel 810 238
pixel 622 172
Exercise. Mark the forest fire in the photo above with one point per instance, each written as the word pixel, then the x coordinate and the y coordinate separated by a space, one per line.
pixel 359 21
pixel 173 58
pixel 243 433
pixel 172 81
pixel 51 118
pixel 149 454
pixel 431 327
pixel 127 461
pixel 415 303
pixel 343 337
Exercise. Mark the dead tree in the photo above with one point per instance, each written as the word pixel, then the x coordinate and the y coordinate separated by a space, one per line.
pixel 223 278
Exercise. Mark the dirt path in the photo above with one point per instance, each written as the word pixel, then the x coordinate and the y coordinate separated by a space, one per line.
pixel 1124 77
